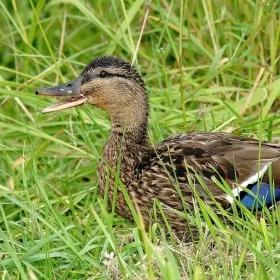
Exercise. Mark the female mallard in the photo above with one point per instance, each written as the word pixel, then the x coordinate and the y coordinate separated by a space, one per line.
pixel 177 164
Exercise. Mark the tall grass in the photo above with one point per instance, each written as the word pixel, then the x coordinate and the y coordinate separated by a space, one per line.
pixel 208 65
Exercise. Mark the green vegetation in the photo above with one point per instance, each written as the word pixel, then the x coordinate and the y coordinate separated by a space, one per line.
pixel 208 65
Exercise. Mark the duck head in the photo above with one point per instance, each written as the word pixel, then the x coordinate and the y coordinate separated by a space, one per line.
pixel 108 83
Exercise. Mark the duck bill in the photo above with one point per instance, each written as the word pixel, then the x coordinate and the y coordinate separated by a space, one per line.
pixel 69 92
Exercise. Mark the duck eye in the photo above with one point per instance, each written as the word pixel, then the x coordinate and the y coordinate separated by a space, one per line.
pixel 103 74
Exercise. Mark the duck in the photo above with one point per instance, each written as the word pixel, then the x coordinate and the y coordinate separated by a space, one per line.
pixel 217 167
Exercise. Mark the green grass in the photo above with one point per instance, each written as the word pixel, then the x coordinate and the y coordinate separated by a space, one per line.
pixel 208 65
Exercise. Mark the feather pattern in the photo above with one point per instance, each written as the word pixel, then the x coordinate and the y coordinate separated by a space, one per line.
pixel 180 169
pixel 155 172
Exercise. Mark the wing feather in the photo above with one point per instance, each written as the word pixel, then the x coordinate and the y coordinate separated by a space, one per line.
pixel 238 161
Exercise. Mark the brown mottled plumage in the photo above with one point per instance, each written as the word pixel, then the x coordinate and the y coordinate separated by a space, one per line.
pixel 157 172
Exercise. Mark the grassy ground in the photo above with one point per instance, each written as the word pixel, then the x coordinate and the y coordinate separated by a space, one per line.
pixel 208 65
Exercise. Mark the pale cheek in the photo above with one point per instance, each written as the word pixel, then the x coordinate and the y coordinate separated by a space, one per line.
pixel 108 98
pixel 97 101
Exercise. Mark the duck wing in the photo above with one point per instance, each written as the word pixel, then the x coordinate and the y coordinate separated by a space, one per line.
pixel 241 162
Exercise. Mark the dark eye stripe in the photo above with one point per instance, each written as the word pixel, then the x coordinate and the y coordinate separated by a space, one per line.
pixel 107 74
pixel 87 77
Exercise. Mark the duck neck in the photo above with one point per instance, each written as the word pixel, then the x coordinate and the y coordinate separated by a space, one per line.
pixel 130 135
pixel 124 150
pixel 131 122
pixel 126 142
